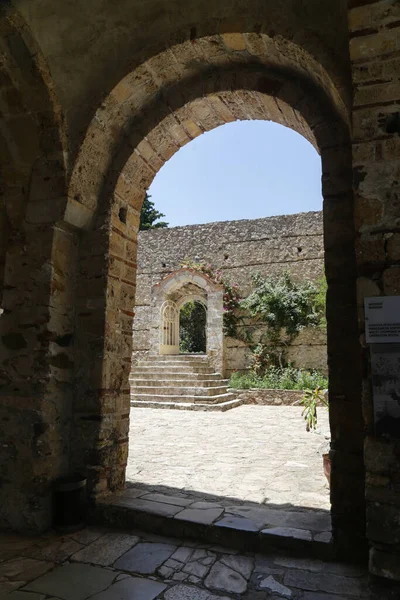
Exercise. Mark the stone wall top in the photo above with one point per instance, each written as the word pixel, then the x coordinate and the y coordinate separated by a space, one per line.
pixel 267 245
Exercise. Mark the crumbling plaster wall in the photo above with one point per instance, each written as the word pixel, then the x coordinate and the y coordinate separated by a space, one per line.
pixel 268 246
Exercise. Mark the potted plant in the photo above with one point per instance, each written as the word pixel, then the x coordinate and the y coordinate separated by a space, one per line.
pixel 311 400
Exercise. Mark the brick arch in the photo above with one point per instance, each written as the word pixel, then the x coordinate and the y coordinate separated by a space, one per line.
pixel 137 129
pixel 177 279
pixel 203 65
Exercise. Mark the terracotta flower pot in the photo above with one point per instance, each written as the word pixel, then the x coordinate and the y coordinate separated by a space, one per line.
pixel 326 460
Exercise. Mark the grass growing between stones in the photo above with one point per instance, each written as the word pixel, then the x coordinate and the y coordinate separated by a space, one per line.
pixel 287 378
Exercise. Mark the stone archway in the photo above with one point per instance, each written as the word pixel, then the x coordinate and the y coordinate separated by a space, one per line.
pixel 122 96
pixel 152 113
pixel 180 287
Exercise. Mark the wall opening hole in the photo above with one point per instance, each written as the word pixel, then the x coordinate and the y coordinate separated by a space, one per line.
pixel 122 214
pixel 393 123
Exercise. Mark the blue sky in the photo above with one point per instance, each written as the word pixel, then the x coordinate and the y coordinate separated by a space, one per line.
pixel 242 170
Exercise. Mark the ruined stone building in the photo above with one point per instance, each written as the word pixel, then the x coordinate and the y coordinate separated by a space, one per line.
pixel 271 246
pixel 95 97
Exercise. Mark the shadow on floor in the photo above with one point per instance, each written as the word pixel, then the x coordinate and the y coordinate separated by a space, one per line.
pixel 314 514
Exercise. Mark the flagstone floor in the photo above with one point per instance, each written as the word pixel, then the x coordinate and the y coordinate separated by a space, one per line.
pixel 103 564
pixel 260 454
pixel 252 454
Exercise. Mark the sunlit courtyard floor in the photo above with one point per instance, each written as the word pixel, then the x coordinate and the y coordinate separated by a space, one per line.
pixel 260 454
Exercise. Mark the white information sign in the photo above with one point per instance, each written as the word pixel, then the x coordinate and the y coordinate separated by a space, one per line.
pixel 382 319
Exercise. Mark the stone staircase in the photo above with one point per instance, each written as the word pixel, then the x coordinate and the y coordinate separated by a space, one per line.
pixel 183 381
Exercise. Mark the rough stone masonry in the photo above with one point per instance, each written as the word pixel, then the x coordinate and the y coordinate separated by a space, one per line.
pixel 268 246
pixel 95 97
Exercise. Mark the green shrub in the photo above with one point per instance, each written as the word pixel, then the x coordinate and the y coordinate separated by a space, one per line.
pixel 311 400
pixel 287 378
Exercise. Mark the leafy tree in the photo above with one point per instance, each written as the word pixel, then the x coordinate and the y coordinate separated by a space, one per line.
pixel 149 214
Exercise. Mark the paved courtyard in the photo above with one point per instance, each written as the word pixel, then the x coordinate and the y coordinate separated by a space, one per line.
pixel 259 454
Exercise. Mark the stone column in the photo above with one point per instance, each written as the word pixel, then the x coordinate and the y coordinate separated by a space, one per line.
pixel 215 334
pixel 105 301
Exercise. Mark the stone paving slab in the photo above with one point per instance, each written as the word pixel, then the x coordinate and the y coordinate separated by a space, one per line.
pixel 145 558
pixel 24 568
pixel 154 569
pixel 256 528
pixel 223 578
pixel 106 549
pixel 73 581
pixel 205 516
pixel 132 588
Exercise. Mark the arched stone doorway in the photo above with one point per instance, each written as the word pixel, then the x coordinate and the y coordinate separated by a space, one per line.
pixel 156 109
pixel 169 295
pixel 174 57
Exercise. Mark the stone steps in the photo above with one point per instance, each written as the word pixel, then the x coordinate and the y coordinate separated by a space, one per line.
pixel 177 390
pixel 178 368
pixel 182 398
pixel 181 378
pixel 182 381
pixel 176 357
pixel 246 526
pixel 220 407
pixel 172 360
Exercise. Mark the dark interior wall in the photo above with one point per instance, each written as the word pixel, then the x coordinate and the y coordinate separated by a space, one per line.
pixel 33 416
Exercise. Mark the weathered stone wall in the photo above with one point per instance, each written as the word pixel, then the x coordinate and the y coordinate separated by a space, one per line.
pixel 270 397
pixel 239 248
pixel 374 51
pixel 108 92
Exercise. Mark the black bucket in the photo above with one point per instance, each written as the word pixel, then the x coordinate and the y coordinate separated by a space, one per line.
pixel 69 503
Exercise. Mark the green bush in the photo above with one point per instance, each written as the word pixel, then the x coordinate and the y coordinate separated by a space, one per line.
pixel 286 308
pixel 287 378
